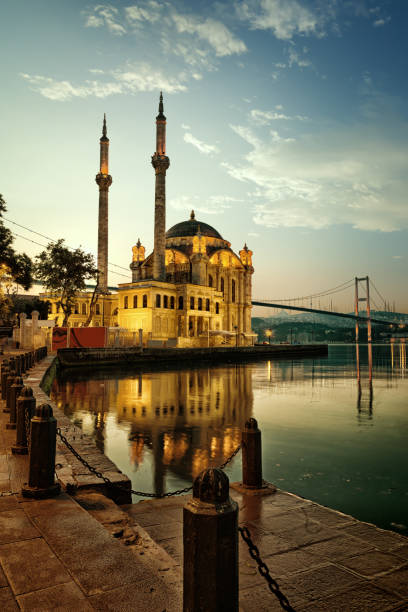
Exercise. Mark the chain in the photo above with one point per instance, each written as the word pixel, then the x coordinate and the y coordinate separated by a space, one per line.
pixel 124 488
pixel 27 428
pixel 230 458
pixel 264 570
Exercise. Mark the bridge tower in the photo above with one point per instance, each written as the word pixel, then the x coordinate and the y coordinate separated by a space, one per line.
pixel 357 300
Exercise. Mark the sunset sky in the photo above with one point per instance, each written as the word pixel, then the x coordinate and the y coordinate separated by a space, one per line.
pixel 286 129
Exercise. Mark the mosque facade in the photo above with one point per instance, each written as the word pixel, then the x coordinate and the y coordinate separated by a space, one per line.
pixel 192 290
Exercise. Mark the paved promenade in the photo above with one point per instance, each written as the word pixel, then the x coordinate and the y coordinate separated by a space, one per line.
pixel 69 553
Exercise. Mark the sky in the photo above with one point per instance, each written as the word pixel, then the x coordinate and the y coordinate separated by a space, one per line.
pixel 287 129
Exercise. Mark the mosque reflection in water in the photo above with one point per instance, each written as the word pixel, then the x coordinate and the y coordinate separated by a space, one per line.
pixel 187 420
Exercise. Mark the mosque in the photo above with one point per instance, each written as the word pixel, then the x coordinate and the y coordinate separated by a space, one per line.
pixel 192 290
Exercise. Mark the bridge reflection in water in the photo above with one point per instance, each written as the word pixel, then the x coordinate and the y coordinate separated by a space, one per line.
pixel 185 420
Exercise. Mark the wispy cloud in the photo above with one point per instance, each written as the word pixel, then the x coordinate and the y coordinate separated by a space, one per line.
pixel 264 117
pixel 326 179
pixel 131 79
pixel 203 147
pixel 105 15
pixel 381 22
pixel 212 205
pixel 285 18
pixel 215 33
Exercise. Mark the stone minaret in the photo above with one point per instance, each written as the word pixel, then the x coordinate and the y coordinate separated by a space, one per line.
pixel 160 163
pixel 104 181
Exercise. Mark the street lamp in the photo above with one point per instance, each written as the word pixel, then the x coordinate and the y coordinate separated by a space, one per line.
pixel 268 334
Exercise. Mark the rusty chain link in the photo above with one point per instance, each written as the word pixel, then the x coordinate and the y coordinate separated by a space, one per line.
pixel 118 485
pixel 264 570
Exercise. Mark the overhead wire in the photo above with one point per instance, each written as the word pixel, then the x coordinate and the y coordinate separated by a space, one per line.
pixel 49 238
pixel 44 246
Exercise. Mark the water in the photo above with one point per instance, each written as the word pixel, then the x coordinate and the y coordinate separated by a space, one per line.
pixel 334 429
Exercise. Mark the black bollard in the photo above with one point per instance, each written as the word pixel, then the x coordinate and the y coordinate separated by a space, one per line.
pixel 14 393
pixel 22 363
pixel 43 432
pixel 4 373
pixel 12 364
pixel 9 382
pixel 210 540
pixel 18 365
pixel 25 411
pixel 251 455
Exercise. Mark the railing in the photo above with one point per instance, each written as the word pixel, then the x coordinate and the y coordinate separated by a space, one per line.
pixel 210 518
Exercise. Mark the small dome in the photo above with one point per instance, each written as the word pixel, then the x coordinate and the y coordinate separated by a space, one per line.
pixel 191 228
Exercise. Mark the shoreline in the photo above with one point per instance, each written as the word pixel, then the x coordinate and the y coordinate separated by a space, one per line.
pixel 142 356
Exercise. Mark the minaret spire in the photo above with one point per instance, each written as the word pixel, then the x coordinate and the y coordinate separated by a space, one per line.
pixel 160 163
pixel 104 180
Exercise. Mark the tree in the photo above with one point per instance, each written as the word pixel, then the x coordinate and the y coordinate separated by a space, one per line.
pixel 63 272
pixel 15 268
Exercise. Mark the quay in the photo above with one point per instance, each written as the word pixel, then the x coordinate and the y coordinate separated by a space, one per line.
pixel 81 551
pixel 224 354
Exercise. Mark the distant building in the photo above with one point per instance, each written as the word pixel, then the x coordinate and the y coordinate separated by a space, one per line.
pixel 192 290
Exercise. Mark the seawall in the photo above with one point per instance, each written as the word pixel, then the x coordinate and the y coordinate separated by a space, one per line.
pixel 135 355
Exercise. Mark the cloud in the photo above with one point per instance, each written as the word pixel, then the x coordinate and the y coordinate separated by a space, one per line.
pixel 213 205
pixel 264 117
pixel 148 11
pixel 131 79
pixel 380 22
pixel 285 18
pixel 207 149
pixel 328 178
pixel 398 257
pixel 105 15
pixel 215 33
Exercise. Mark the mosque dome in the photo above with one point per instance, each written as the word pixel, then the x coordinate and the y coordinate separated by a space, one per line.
pixel 191 228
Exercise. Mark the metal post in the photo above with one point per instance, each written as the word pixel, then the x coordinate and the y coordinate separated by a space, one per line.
pixel 25 411
pixel 10 381
pixel 210 540
pixel 43 434
pixel 251 455
pixel 14 393
pixel 356 305
pixel 368 311
pixel 4 373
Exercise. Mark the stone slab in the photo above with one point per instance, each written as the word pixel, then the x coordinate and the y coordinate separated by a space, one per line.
pixel 14 526
pixel 7 601
pixel 341 547
pixel 96 561
pixel 63 597
pixel 363 598
pixel 396 581
pixel 31 565
pixel 144 596
pixel 373 563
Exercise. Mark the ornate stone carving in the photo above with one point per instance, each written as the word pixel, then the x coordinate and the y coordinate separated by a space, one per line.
pixel 160 163
pixel 104 181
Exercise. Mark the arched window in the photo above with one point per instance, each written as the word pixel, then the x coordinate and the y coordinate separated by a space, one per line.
pixel 222 285
pixel 233 291
pixel 76 308
pixel 172 302
pixel 207 305
pixel 84 309
pixel 191 303
pixel 200 304
pixel 165 301
pixel 145 301
pixel 135 301
pixel 158 300
pixel 180 303
pixel 97 309
pixel 125 302
pixel 217 308
pixel 210 280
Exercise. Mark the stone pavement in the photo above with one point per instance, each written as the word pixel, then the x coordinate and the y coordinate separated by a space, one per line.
pixel 321 559
pixel 62 555
pixel 54 555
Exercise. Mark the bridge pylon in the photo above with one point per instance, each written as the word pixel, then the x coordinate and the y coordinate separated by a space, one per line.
pixel 357 300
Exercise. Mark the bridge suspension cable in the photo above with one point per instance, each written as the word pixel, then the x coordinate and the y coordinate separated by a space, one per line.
pixel 327 292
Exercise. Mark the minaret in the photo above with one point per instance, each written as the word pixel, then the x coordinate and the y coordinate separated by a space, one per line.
pixel 104 181
pixel 160 163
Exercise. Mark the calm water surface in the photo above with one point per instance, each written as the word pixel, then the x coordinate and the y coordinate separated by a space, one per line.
pixel 334 429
